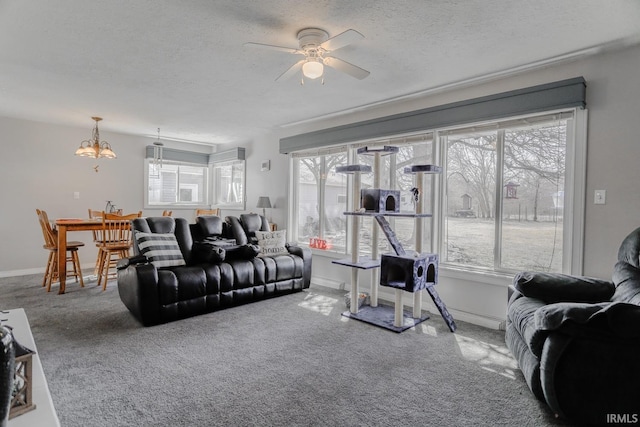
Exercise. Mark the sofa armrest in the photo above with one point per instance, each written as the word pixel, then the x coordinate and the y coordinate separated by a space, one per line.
pixel 134 260
pixel 138 289
pixel 556 287
pixel 305 254
pixel 607 319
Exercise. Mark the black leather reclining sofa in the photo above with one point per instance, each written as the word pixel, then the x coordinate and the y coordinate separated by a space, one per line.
pixel 213 276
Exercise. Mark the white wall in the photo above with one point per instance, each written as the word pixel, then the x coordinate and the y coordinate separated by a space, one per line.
pixel 38 170
pixel 271 183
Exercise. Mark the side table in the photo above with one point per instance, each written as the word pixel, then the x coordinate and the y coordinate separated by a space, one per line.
pixel 45 414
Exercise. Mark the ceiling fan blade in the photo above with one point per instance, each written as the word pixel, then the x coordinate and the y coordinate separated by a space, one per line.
pixel 291 71
pixel 273 47
pixel 345 67
pixel 341 40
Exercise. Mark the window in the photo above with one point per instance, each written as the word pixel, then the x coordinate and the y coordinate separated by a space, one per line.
pixel 229 190
pixel 411 151
pixel 175 184
pixel 321 195
pixel 509 197
pixel 504 193
pixel 320 199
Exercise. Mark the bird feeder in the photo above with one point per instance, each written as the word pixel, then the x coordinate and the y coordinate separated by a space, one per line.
pixel 511 190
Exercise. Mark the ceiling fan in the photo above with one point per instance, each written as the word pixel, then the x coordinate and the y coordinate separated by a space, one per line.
pixel 316 46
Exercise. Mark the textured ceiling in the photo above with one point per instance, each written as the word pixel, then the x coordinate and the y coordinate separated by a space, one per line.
pixel 182 66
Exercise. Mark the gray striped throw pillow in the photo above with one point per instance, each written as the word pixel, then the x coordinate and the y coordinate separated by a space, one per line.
pixel 161 249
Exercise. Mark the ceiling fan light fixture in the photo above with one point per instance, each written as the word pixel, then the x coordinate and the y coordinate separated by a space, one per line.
pixel 312 69
pixel 317 48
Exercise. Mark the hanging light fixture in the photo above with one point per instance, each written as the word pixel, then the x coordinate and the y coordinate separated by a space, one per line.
pixel 94 147
pixel 314 65
pixel 157 152
pixel 313 68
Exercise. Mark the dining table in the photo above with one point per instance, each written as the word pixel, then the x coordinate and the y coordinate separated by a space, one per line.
pixel 65 225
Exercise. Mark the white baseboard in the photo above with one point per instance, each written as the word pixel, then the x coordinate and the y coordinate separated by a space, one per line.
pixel 30 271
pixel 327 283
pixel 389 297
pixel 26 272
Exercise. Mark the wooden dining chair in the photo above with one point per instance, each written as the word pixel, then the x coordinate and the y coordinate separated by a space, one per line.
pixel 94 214
pixel 203 212
pixel 114 242
pixel 51 244
pixel 167 213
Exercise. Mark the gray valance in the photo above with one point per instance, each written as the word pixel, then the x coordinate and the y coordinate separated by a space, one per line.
pixel 568 93
pixel 228 155
pixel 172 154
pixel 184 156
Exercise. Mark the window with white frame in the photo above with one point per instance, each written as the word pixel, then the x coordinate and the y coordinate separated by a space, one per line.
pixel 413 150
pixel 229 184
pixel 172 183
pixel 504 194
pixel 319 194
pixel 504 202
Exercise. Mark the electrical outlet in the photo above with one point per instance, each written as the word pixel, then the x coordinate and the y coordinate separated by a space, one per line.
pixel 599 197
pixel 76 195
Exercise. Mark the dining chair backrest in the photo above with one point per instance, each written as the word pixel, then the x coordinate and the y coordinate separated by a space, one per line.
pixel 49 234
pixel 201 212
pixel 116 216
pixel 93 214
pixel 167 213
pixel 116 228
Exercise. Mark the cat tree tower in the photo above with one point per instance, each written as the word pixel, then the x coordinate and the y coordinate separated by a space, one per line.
pixel 405 272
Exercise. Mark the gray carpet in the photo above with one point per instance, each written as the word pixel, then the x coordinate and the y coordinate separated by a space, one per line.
pixel 288 361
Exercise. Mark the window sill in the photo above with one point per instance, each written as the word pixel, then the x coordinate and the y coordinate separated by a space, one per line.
pixel 328 253
pixel 493 278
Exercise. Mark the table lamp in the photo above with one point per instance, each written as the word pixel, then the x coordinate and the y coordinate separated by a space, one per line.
pixel 264 202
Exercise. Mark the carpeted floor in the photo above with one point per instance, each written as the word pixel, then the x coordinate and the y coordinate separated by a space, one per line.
pixel 288 361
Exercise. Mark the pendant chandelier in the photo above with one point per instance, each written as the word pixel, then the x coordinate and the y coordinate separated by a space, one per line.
pixel 94 147
pixel 157 151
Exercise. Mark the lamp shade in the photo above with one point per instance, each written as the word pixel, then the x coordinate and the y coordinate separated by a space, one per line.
pixel 263 202
pixel 312 69
pixel 106 152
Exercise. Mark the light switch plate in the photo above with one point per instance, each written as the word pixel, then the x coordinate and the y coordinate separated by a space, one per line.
pixel 599 197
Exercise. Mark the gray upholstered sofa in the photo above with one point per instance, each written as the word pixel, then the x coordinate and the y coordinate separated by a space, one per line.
pixel 577 339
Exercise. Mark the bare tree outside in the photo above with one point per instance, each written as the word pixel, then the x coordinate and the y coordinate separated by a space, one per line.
pixel 532 200
pixel 322 198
